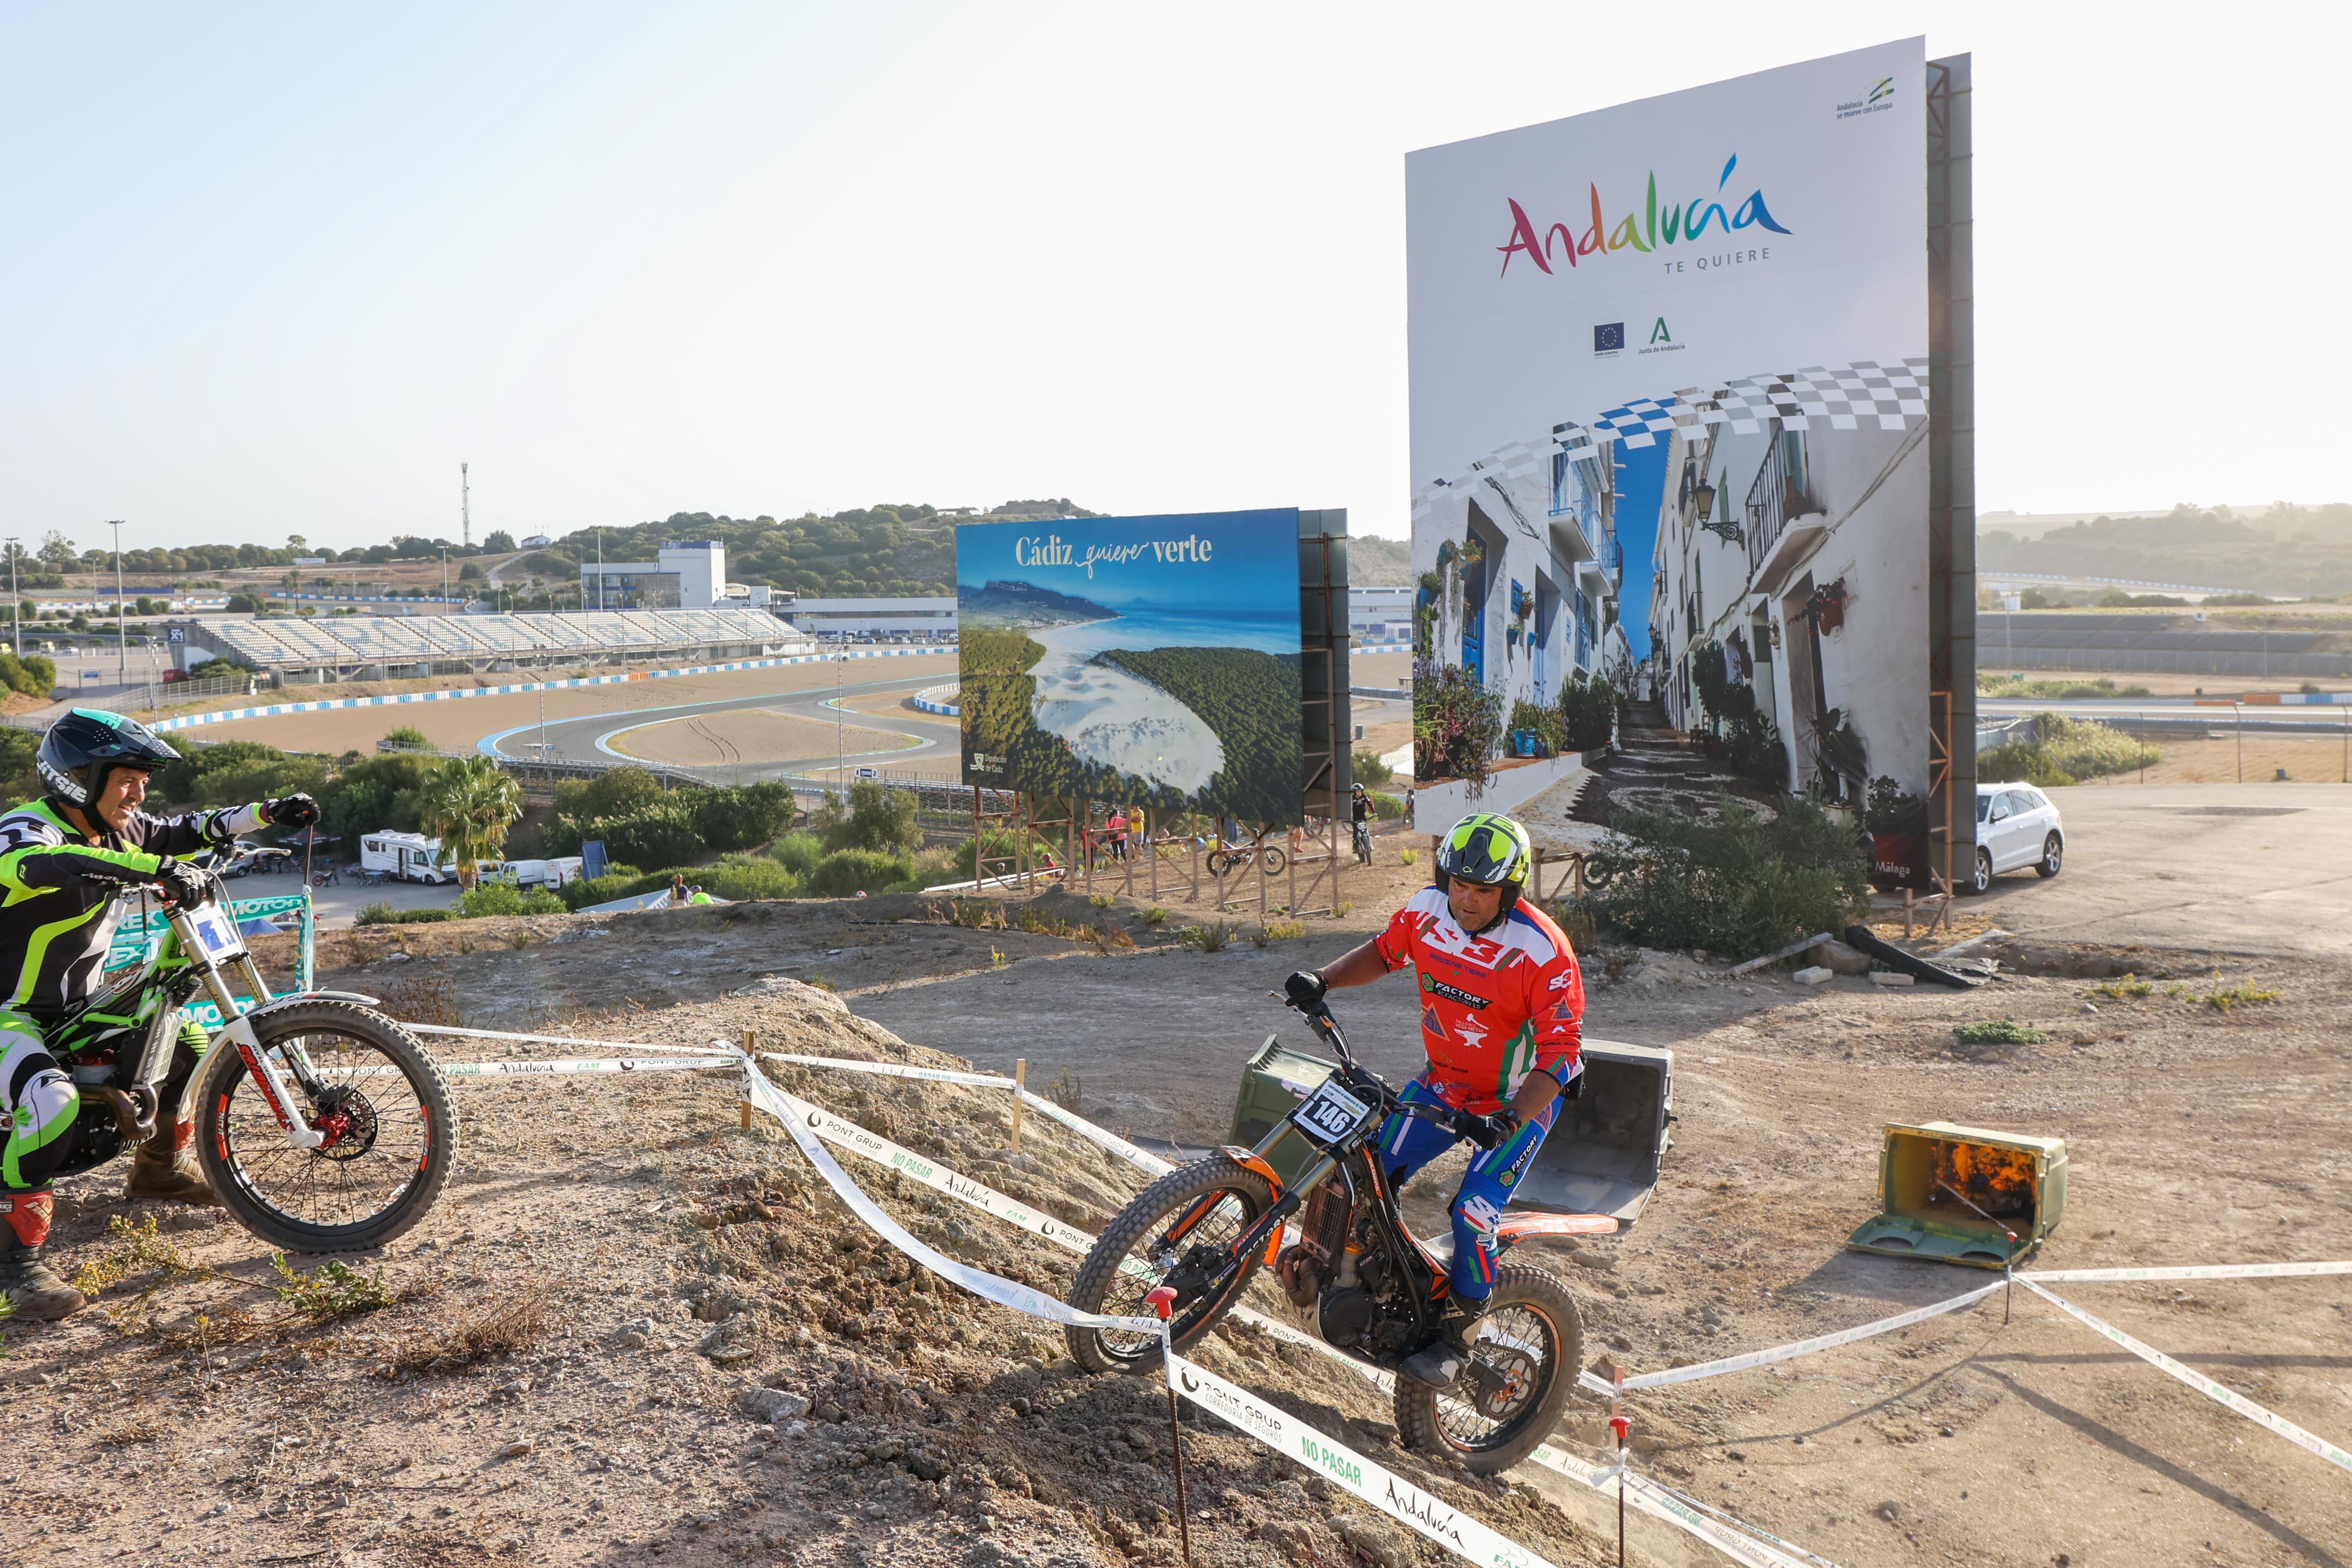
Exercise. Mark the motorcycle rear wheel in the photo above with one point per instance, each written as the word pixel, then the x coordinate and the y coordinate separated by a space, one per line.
pixel 1236 1196
pixel 1532 1343
pixel 393 1133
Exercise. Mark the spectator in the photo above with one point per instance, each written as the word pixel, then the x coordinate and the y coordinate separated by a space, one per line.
pixel 1115 829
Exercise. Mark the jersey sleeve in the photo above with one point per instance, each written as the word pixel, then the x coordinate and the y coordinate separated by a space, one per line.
pixel 34 858
pixel 1556 1008
pixel 1394 944
pixel 194 830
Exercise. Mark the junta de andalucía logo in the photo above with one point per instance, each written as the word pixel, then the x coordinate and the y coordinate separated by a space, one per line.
pixel 1656 227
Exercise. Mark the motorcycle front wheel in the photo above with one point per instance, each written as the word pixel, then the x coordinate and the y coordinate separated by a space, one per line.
pixel 1175 1232
pixel 391 1131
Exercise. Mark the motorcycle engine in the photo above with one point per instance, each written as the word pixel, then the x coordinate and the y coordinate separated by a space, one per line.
pixel 1341 1315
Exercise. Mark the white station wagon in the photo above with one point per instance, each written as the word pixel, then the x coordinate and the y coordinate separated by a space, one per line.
pixel 2016 827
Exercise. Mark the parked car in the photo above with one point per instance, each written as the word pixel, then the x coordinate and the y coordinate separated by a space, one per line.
pixel 246 859
pixel 2016 827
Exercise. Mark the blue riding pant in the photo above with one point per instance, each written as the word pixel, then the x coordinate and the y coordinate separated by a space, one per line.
pixel 1409 1143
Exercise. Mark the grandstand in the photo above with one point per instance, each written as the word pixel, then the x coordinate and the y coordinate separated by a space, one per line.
pixel 393 647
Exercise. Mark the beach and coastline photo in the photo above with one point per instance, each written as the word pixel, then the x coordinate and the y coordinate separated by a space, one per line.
pixel 1151 659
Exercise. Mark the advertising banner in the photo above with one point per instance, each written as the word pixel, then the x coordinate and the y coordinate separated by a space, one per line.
pixel 1669 397
pixel 1149 661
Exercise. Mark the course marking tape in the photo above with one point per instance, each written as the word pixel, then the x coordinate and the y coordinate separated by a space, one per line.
pixel 1791 1351
pixel 559 1068
pixel 721 1050
pixel 2203 1385
pixel 980 1196
pixel 1723 1532
pixel 986 1286
pixel 1400 1500
pixel 2191 1271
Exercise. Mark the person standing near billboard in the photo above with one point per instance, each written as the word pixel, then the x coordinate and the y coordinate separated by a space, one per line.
pixel 1502 1022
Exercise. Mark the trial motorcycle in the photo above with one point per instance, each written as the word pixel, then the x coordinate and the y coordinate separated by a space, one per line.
pixel 322 1126
pixel 1370 1287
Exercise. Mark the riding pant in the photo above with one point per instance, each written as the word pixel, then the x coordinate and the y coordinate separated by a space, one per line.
pixel 39 1099
pixel 1409 1143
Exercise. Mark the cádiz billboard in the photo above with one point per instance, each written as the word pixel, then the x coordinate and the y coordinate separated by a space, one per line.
pixel 1669 384
pixel 1150 661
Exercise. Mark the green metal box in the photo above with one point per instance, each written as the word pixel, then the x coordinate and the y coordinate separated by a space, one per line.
pixel 1955 1195
pixel 1602 1156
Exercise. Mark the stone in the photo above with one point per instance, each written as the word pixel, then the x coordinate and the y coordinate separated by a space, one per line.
pixel 1376 1539
pixel 514 1451
pixel 772 1405
pixel 1839 958
pixel 1816 976
pixel 1889 978
pixel 1889 1511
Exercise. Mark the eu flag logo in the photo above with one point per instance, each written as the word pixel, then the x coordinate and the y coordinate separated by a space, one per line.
pixel 1608 340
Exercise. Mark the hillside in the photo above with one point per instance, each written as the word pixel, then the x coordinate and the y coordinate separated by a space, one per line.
pixel 1375 562
pixel 1002 604
pixel 2288 551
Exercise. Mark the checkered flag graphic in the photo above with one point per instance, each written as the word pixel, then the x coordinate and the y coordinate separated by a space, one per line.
pixel 1891 397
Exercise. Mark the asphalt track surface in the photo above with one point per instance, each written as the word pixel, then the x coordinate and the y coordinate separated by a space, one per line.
pixel 590 739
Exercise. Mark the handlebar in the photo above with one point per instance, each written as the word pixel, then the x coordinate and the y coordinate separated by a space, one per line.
pixel 1327 1029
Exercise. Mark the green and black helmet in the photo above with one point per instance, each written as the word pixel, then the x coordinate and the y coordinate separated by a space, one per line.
pixel 81 748
pixel 1489 850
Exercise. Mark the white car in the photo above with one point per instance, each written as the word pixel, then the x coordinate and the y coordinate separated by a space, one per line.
pixel 2016 827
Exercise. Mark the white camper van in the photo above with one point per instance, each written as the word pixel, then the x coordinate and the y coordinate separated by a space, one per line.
pixel 553 872
pixel 410 857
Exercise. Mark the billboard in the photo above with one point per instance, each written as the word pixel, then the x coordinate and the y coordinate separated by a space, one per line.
pixel 1669 389
pixel 1153 661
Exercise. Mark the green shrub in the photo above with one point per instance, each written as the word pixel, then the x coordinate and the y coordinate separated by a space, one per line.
pixel 19 778
pixel 34 675
pixel 375 794
pixel 386 914
pixel 740 877
pixel 2061 750
pixel 619 881
pixel 1457 725
pixel 845 873
pixel 506 898
pixel 797 852
pixel 1368 770
pixel 1736 885
pixel 655 835
pixel 1998 1031
pixel 1000 842
pixel 408 738
pixel 615 793
pixel 737 819
pixel 879 819
pixel 1386 807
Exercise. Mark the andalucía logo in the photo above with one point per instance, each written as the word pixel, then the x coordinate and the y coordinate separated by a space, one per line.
pixel 1650 229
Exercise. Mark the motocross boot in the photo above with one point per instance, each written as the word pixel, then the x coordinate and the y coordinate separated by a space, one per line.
pixel 26 1280
pixel 1441 1362
pixel 165 1168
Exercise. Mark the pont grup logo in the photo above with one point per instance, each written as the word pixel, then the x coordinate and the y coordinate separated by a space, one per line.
pixel 1656 226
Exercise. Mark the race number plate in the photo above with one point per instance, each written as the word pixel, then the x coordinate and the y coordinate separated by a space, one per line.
pixel 1331 1113
pixel 217 931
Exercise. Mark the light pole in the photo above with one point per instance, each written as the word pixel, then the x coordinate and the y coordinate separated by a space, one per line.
pixel 444 576
pixel 840 743
pixel 16 605
pixel 121 632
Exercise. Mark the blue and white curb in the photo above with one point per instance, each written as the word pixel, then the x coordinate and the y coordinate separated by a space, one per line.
pixel 228 716
pixel 941 699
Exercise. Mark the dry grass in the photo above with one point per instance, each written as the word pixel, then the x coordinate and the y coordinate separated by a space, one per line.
pixel 507 1323
pixel 427 997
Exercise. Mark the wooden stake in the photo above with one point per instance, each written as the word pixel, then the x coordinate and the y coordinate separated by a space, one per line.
pixel 1019 1082
pixel 1907 914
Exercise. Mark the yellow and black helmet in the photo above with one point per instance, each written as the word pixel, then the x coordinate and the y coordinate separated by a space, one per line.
pixel 1488 850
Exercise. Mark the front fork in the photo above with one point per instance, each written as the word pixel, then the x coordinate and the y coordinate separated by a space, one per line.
pixel 262 1065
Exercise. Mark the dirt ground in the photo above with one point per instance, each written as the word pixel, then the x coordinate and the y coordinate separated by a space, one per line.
pixel 749 735
pixel 457 726
pixel 2222 758
pixel 897 706
pixel 2198 1131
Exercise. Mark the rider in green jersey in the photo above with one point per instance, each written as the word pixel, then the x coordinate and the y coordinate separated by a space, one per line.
pixel 67 861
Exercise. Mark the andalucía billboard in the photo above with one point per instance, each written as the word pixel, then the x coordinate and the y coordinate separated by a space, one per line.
pixel 1669 382
pixel 1142 660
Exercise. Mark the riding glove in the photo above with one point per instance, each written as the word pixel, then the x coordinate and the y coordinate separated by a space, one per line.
pixel 291 810
pixel 1490 1132
pixel 182 883
pixel 1306 990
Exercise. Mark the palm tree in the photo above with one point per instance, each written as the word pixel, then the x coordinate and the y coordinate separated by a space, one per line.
pixel 469 805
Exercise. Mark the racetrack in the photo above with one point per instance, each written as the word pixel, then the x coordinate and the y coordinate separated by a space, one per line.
pixel 755 735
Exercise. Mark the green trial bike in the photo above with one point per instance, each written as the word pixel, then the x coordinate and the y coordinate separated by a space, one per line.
pixel 322 1126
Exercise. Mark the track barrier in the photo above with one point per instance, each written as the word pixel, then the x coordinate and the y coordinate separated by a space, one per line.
pixel 811 1127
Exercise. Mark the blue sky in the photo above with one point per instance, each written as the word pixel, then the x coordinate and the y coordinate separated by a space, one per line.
pixel 1252 568
pixel 278 269
pixel 1641 482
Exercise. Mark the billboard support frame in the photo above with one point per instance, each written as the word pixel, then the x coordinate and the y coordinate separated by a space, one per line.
pixel 1951 479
